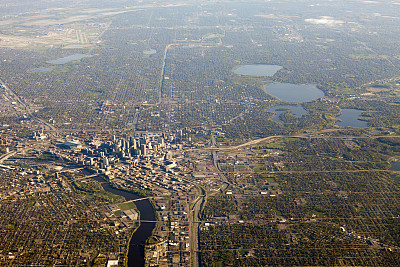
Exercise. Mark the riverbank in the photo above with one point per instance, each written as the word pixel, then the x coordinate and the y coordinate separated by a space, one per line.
pixel 136 255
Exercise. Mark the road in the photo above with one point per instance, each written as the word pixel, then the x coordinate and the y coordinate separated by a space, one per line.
pixel 25 107
pixel 139 199
pixel 163 72
pixel 201 201
pixel 318 134
pixel 7 156
pixel 194 221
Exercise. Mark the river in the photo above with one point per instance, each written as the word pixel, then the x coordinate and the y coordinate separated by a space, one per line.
pixel 138 241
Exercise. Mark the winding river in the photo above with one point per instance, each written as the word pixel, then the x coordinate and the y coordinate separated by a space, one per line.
pixel 138 241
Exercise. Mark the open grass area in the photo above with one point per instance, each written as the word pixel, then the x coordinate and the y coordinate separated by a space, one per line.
pixel 127 206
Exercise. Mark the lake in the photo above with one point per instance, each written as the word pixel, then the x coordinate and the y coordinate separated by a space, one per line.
pixel 64 60
pixel 350 117
pixel 295 110
pixel 395 166
pixel 258 70
pixel 42 69
pixel 294 92
pixel 150 52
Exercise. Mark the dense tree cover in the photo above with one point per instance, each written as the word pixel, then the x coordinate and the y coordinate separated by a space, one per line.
pixel 167 68
pixel 305 244
pixel 327 200
pixel 191 69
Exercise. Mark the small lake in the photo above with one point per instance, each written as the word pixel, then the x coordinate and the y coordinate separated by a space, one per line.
pixel 150 52
pixel 295 110
pixel 42 69
pixel 64 60
pixel 294 92
pixel 395 166
pixel 350 117
pixel 258 70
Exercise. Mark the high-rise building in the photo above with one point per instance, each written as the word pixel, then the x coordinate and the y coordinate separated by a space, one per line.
pixel 161 140
pixel 143 149
pixel 134 144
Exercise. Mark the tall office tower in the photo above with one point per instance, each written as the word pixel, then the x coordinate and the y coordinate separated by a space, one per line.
pixel 143 149
pixel 161 140
pixel 134 144
pixel 127 144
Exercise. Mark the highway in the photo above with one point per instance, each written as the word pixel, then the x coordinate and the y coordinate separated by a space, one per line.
pixel 25 107
pixel 201 201
pixel 194 230
pixel 7 156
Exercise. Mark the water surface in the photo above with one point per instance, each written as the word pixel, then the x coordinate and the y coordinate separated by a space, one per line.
pixel 258 70
pixel 295 110
pixel 395 166
pixel 150 52
pixel 294 92
pixel 376 132
pixel 42 69
pixel 350 117
pixel 64 60
pixel 139 238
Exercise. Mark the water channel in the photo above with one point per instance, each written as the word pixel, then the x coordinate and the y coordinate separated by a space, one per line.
pixel 139 238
